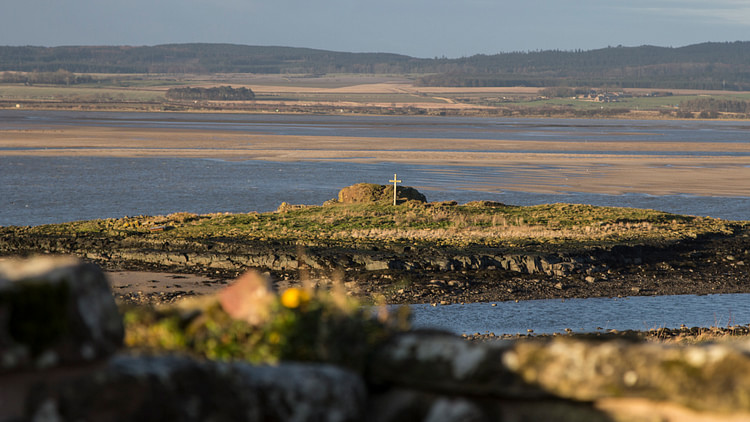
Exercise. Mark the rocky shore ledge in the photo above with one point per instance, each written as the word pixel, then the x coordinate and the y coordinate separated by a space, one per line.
pixel 419 252
pixel 67 355
pixel 431 274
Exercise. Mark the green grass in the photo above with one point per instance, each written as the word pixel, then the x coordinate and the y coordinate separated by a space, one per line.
pixel 553 225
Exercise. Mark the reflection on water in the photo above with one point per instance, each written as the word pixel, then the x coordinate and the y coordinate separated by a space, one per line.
pixel 586 315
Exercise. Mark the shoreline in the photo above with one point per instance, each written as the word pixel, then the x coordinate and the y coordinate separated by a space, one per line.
pixel 334 109
pixel 407 275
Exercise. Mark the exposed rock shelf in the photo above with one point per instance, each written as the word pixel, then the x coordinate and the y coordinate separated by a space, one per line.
pixel 709 264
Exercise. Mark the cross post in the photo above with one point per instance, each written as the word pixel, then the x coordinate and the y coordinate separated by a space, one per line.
pixel 394 181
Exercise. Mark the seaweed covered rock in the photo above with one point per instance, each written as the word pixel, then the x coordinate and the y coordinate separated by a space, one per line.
pixel 55 310
pixel 372 193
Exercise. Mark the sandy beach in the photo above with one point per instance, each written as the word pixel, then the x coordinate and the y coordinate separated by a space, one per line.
pixel 532 166
pixel 123 282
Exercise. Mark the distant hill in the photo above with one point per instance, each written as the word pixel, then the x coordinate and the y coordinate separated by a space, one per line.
pixel 197 58
pixel 699 66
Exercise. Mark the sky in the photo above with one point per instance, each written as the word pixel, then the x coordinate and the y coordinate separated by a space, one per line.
pixel 419 28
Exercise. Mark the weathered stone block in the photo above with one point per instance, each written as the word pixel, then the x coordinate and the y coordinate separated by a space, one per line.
pixel 712 377
pixel 399 405
pixel 447 364
pixel 377 265
pixel 55 310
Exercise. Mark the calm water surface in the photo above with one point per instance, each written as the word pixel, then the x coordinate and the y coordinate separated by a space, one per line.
pixel 42 190
pixel 586 315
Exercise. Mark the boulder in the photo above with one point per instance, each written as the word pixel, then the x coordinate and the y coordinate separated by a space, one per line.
pixel 53 311
pixel 372 193
pixel 444 363
pixel 709 378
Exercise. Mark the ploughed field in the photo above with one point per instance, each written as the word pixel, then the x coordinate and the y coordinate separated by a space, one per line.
pixel 419 252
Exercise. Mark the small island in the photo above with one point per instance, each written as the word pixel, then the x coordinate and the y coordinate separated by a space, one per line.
pixel 417 251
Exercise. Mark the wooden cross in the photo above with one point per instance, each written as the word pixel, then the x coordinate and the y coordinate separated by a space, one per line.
pixel 394 181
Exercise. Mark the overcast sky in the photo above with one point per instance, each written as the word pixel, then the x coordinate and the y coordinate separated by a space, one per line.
pixel 421 28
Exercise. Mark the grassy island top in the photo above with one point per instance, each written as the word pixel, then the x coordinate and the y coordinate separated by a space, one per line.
pixel 482 223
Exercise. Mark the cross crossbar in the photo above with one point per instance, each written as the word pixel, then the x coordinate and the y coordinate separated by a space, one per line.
pixel 394 181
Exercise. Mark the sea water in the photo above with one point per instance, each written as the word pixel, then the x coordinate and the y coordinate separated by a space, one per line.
pixel 586 315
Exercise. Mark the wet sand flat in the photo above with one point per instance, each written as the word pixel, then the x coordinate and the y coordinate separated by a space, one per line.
pixel 612 167
pixel 146 282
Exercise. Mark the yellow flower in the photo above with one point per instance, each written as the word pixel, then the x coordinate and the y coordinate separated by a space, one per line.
pixel 274 338
pixel 293 298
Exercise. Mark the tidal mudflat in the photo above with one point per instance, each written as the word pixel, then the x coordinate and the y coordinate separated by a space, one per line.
pixel 712 168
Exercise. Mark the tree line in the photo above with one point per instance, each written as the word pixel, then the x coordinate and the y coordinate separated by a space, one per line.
pixel 699 66
pixel 738 82
pixel 715 105
pixel 220 93
pixel 60 77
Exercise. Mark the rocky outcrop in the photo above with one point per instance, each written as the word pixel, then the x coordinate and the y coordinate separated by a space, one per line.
pixel 55 310
pixel 709 377
pixel 215 254
pixel 401 270
pixel 371 193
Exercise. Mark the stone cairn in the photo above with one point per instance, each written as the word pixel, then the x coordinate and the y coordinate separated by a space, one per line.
pixel 62 359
